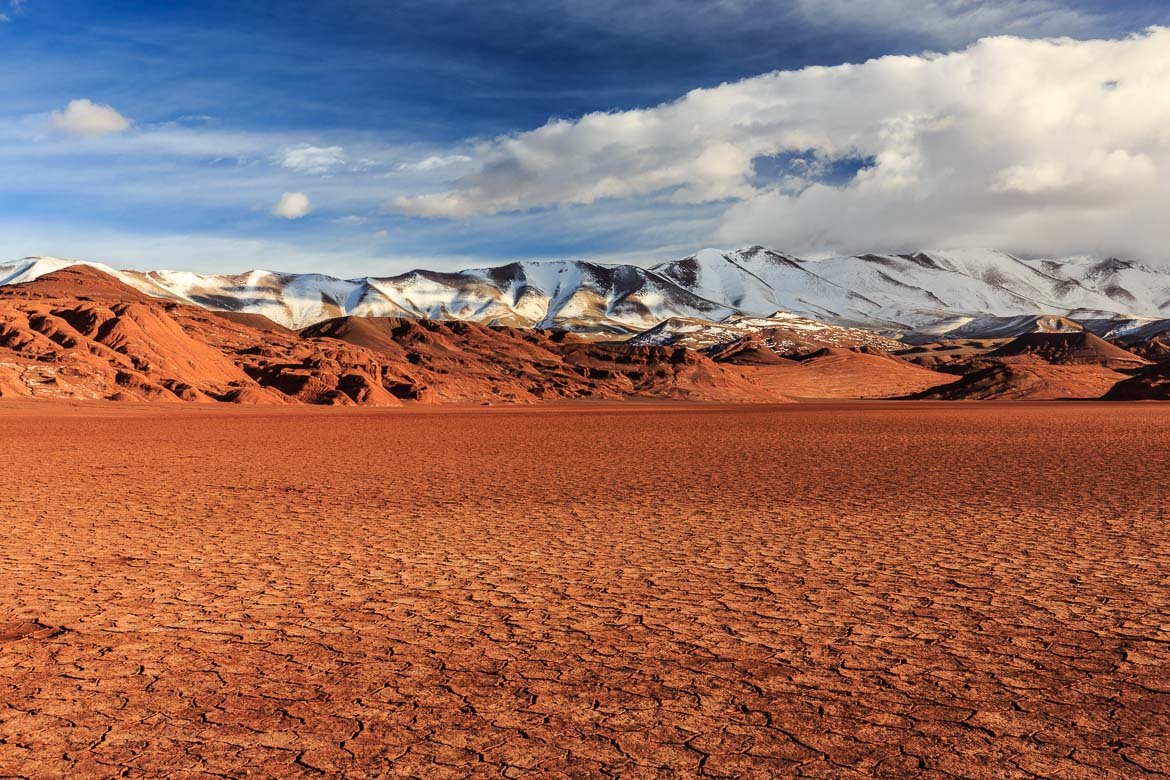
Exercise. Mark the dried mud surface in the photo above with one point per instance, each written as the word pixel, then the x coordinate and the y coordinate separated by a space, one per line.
pixel 909 590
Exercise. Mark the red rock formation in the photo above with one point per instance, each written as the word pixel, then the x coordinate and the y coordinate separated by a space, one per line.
pixel 1150 384
pixel 1080 348
pixel 79 333
pixel 834 373
pixel 1027 380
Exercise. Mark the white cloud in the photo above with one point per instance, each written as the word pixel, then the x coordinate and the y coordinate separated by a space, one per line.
pixel 313 159
pixel 292 205
pixel 434 162
pixel 1031 145
pixel 88 119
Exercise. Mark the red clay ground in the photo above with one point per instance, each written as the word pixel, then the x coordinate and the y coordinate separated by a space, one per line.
pixel 901 590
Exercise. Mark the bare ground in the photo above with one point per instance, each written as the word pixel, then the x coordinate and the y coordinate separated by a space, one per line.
pixel 831 590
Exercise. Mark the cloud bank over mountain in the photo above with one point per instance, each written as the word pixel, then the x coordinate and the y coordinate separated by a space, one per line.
pixel 1051 145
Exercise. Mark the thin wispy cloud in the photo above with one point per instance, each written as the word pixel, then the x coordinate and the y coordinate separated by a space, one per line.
pixel 951 22
pixel 435 162
pixel 313 159
pixel 945 22
pixel 14 8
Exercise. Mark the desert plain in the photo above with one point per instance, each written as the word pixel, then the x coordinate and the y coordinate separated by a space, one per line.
pixel 637 590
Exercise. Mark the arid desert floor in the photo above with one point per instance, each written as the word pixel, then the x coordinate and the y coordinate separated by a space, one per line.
pixel 826 590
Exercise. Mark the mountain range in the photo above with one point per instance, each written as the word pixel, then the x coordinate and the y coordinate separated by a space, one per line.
pixel 82 333
pixel 891 293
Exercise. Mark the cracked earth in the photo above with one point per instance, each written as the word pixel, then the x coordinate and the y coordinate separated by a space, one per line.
pixel 849 590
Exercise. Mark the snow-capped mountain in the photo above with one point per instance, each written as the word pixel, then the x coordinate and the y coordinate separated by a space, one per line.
pixel 565 295
pixel 899 291
pixel 888 292
pixel 1113 328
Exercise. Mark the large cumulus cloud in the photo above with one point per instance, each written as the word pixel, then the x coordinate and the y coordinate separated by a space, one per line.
pixel 1043 146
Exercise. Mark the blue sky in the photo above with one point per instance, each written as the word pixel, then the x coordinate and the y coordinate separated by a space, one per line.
pixel 448 133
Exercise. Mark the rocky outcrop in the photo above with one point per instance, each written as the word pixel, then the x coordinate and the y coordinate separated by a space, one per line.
pixel 80 333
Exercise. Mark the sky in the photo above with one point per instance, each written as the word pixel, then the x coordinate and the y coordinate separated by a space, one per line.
pixel 357 137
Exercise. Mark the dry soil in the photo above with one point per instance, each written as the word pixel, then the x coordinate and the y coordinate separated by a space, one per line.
pixel 933 590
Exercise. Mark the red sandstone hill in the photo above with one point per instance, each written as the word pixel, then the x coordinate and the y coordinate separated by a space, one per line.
pixel 1155 349
pixel 1150 384
pixel 79 333
pixel 1026 380
pixel 1039 366
pixel 755 349
pixel 836 372
pixel 1077 348
pixel 81 282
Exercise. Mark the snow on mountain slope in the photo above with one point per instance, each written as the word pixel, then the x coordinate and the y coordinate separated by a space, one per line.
pixel 717 276
pixel 965 327
pixel 790 332
pixel 1129 331
pixel 892 293
pixel 899 291
pixel 887 291
pixel 765 282
pixel 918 288
pixel 1120 285
pixel 577 295
pixel 293 300
pixel 569 295
pixel 31 268
pixel 1124 329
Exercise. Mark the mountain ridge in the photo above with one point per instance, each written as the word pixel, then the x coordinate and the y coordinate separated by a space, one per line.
pixel 81 334
pixel 893 293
